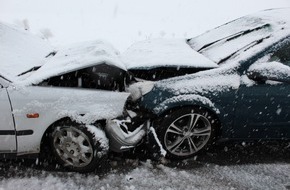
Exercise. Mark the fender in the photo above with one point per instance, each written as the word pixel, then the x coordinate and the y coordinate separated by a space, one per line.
pixel 191 99
pixel 197 100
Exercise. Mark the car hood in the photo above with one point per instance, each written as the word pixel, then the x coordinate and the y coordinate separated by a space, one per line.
pixel 164 53
pixel 74 57
pixel 208 84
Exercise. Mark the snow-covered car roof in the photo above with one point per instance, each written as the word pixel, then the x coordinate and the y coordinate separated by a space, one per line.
pixel 20 51
pixel 74 57
pixel 225 41
pixel 164 53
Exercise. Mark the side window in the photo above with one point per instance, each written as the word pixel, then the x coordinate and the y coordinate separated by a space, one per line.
pixel 104 77
pixel 282 54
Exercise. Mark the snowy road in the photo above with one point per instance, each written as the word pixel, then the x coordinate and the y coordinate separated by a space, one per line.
pixel 231 167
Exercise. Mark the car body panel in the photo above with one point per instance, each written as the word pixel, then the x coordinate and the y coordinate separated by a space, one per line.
pixel 7 131
pixel 263 110
pixel 52 104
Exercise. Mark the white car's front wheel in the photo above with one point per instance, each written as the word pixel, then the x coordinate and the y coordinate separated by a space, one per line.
pixel 75 147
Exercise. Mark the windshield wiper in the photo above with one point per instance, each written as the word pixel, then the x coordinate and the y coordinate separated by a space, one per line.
pixel 233 36
pixel 51 54
pixel 5 78
pixel 30 70
pixel 246 47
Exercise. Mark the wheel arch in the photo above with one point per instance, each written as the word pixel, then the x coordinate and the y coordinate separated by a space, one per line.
pixel 169 108
pixel 44 143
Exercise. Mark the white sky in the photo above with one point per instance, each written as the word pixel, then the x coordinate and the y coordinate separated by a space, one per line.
pixel 126 21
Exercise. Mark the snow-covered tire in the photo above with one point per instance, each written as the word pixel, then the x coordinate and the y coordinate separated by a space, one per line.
pixel 186 131
pixel 78 147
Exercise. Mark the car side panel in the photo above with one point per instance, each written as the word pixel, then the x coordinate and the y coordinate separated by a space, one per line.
pixel 264 111
pixel 7 130
pixel 54 103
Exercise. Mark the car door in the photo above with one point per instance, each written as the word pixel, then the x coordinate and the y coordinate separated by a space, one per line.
pixel 263 109
pixel 7 130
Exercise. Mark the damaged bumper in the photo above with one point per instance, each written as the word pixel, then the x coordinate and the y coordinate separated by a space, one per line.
pixel 122 139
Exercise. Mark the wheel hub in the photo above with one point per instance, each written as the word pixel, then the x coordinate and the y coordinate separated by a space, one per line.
pixel 73 146
pixel 187 134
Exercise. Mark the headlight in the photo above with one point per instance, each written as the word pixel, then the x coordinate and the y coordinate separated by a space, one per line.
pixel 139 89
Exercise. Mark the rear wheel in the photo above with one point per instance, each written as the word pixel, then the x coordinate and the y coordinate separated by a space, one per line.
pixel 187 131
pixel 76 147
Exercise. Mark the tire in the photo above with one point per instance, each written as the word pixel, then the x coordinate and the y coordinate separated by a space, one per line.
pixel 78 148
pixel 187 131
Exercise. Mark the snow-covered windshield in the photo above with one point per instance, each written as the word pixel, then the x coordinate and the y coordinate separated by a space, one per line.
pixel 238 36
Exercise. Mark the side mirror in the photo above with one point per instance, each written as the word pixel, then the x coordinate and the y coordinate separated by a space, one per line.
pixel 274 71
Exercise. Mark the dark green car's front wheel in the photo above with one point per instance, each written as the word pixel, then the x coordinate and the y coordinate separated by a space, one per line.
pixel 186 131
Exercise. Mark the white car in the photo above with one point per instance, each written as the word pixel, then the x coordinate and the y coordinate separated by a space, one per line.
pixel 63 101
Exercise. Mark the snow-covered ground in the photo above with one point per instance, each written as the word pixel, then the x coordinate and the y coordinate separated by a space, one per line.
pixel 232 167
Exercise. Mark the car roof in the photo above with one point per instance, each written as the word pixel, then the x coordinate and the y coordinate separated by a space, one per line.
pixel 20 50
pixel 74 57
pixel 226 41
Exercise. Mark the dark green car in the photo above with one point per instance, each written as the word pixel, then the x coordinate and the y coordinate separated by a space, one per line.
pixel 246 97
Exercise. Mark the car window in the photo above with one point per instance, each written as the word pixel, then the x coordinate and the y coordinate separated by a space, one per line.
pixel 102 76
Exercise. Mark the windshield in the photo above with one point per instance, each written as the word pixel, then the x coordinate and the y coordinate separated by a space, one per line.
pixel 226 41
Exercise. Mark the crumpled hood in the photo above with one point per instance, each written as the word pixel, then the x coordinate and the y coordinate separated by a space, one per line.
pixel 164 53
pixel 74 57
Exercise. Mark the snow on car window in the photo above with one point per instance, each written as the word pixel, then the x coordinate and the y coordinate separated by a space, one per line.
pixel 236 37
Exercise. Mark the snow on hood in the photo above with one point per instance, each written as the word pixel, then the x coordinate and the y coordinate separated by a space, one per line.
pixel 20 51
pixel 224 41
pixel 75 57
pixel 164 53
pixel 220 79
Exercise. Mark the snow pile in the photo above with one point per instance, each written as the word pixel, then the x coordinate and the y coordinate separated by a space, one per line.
pixel 148 176
pixel 100 136
pixel 20 51
pixel 164 53
pixel 75 57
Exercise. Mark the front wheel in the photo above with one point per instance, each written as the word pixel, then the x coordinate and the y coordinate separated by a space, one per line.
pixel 77 147
pixel 187 131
